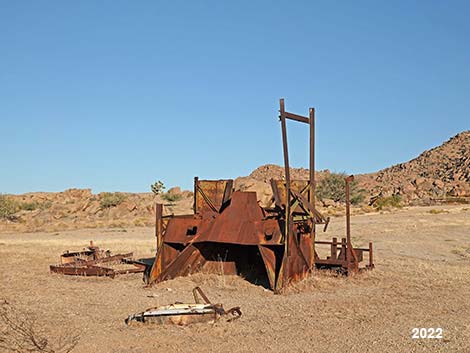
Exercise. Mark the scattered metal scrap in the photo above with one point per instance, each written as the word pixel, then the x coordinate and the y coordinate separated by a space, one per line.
pixel 184 314
pixel 229 233
pixel 90 261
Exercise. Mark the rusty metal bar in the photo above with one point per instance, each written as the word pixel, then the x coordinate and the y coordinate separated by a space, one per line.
pixel 371 256
pixel 197 290
pixel 227 191
pixel 296 117
pixel 196 180
pixel 312 157
pixel 348 212
pixel 288 224
pixel 324 242
pixel 351 251
pixel 334 249
pixel 344 248
pixel 159 224
pixel 312 173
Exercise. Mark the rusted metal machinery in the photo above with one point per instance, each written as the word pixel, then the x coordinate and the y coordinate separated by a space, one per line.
pixel 90 261
pixel 229 233
pixel 185 314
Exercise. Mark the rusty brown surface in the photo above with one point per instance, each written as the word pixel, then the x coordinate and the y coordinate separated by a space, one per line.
pixel 185 314
pixel 210 195
pixel 90 261
pixel 231 233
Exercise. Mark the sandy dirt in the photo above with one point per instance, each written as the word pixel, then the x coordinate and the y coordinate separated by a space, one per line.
pixel 422 279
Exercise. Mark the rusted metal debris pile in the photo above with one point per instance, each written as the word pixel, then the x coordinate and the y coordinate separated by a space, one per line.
pixel 93 261
pixel 185 314
pixel 230 233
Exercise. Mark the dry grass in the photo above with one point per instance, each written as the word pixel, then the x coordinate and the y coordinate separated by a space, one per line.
pixel 438 211
pixel 419 281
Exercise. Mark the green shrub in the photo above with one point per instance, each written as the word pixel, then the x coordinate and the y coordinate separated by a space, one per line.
pixel 8 207
pixel 332 187
pixel 172 197
pixel 29 206
pixel 34 205
pixel 111 199
pixel 393 201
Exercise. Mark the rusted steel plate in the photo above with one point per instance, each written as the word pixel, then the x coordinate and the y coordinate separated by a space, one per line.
pixel 269 258
pixel 236 223
pixel 210 194
pixel 182 230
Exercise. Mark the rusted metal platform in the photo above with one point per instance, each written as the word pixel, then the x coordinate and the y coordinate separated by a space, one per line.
pixel 230 233
pixel 94 261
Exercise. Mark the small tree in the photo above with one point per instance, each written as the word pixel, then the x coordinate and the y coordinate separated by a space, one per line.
pixel 157 187
pixel 332 186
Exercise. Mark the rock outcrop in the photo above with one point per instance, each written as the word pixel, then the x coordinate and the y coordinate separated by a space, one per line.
pixel 437 174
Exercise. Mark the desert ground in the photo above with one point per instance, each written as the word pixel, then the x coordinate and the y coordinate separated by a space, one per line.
pixel 421 279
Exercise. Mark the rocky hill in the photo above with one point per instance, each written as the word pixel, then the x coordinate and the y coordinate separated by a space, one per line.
pixel 435 175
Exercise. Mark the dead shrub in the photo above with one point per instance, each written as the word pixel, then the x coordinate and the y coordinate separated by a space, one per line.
pixel 20 334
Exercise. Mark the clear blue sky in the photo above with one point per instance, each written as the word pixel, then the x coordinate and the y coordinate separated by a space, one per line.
pixel 114 95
